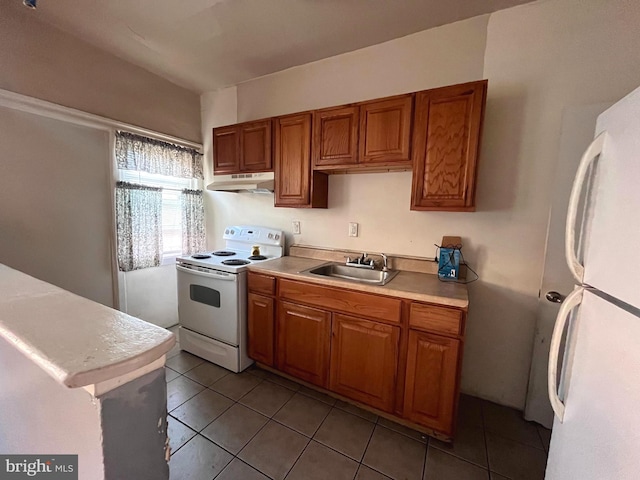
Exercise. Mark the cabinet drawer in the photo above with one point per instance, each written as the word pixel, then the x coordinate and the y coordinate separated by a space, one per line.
pixel 438 319
pixel 360 304
pixel 261 284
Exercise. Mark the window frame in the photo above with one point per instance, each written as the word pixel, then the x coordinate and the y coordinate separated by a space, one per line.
pixel 167 184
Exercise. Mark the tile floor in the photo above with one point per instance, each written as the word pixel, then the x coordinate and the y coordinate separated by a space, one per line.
pixel 256 425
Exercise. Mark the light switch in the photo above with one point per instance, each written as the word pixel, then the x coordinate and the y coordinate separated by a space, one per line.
pixel 296 227
pixel 353 229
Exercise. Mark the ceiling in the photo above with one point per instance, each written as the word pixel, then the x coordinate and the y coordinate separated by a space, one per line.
pixel 207 44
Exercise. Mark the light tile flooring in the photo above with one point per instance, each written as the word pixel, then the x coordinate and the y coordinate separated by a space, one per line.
pixel 256 425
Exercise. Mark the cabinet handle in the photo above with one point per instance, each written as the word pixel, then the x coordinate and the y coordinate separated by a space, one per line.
pixel 301 315
pixel 590 154
pixel 215 275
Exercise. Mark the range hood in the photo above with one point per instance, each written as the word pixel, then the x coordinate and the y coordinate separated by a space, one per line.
pixel 262 182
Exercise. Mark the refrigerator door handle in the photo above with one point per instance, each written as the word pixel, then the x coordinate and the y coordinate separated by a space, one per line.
pixel 590 154
pixel 572 301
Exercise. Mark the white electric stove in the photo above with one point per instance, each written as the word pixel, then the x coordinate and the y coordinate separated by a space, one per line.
pixel 212 294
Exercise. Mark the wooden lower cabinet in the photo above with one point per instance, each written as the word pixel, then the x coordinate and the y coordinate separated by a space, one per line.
pixel 364 360
pixel 403 359
pixel 261 329
pixel 430 385
pixel 303 342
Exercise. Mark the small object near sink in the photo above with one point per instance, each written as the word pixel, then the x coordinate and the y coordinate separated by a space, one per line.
pixel 353 274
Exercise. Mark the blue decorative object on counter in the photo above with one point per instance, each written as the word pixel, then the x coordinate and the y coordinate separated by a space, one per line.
pixel 449 263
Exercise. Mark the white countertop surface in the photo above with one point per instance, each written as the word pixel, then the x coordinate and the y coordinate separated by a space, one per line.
pixel 77 341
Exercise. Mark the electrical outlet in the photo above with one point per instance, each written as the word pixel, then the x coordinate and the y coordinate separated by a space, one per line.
pixel 296 227
pixel 353 229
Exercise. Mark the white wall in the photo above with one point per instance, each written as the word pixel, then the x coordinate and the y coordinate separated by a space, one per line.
pixel 44 62
pixel 55 203
pixel 403 65
pixel 56 210
pixel 40 416
pixel 538 58
pixel 217 108
pixel 150 294
pixel 120 434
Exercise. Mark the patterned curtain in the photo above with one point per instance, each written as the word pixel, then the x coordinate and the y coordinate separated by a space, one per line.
pixel 139 217
pixel 134 152
pixel 192 221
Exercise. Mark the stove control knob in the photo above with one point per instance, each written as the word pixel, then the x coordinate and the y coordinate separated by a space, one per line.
pixel 233 232
pixel 270 235
pixel 277 237
pixel 226 232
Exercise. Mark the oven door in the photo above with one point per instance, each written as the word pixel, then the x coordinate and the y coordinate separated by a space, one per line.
pixel 209 302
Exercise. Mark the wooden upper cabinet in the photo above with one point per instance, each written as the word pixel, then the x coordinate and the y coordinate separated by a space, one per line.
pixel 335 136
pixel 431 381
pixel 295 183
pixel 304 336
pixel 446 144
pixel 385 131
pixel 364 360
pixel 255 146
pixel 242 148
pixel 226 149
pixel 292 160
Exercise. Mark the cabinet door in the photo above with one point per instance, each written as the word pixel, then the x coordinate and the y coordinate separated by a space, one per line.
pixel 364 359
pixel 430 385
pixel 335 136
pixel 296 185
pixel 303 342
pixel 446 143
pixel 261 329
pixel 255 146
pixel 385 131
pixel 226 149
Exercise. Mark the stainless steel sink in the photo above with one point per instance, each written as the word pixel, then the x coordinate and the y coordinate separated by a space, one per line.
pixel 353 274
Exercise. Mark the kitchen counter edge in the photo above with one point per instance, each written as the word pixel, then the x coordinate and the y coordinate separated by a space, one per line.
pixel 77 341
pixel 422 287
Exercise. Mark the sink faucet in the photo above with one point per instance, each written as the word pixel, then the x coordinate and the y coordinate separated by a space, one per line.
pixel 362 261
pixel 385 267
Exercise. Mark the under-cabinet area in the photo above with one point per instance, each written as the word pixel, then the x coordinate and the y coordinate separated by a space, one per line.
pixel 395 349
pixel 434 133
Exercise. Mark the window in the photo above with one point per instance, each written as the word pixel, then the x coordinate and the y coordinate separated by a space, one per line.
pixel 159 206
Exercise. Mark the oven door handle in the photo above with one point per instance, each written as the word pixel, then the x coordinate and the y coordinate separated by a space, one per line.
pixel 229 277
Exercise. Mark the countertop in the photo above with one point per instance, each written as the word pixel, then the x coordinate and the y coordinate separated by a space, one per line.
pixel 423 287
pixel 75 340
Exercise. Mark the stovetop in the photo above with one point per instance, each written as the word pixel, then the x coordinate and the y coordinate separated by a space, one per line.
pixel 225 263
pixel 237 253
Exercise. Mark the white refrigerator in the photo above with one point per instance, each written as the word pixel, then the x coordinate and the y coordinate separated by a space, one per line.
pixel 594 387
